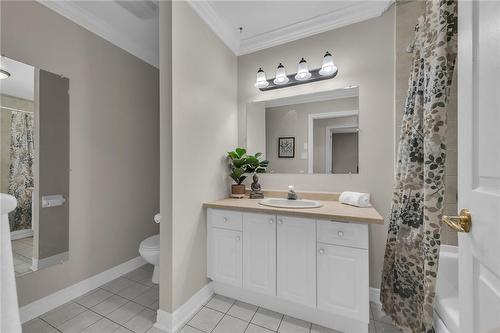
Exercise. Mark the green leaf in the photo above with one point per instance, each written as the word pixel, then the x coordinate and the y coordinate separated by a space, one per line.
pixel 240 162
pixel 232 155
pixel 257 155
pixel 240 151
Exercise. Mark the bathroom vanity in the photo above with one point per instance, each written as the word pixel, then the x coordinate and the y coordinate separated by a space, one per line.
pixel 308 263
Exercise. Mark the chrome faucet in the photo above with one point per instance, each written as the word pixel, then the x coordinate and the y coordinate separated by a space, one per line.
pixel 291 193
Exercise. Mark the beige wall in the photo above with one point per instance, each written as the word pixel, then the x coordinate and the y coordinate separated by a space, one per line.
pixel 114 141
pixel 204 128
pixel 345 153
pixel 364 54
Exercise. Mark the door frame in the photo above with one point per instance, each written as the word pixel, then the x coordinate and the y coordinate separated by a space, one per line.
pixel 310 131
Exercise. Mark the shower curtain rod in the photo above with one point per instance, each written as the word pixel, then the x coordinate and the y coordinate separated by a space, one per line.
pixel 13 110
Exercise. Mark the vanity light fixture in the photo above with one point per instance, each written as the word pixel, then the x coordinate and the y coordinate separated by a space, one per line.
pixel 261 81
pixel 303 75
pixel 328 67
pixel 4 74
pixel 281 77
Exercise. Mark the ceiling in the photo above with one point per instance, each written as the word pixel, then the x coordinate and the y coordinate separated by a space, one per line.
pixel 21 82
pixel 274 22
pixel 130 25
pixel 133 25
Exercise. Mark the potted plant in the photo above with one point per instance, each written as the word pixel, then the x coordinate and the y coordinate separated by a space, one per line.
pixel 238 167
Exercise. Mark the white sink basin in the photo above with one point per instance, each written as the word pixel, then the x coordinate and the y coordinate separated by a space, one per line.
pixel 285 203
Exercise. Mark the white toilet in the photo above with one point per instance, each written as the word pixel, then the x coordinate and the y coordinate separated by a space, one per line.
pixel 150 251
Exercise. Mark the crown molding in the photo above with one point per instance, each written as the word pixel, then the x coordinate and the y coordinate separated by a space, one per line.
pixel 217 23
pixel 71 11
pixel 357 12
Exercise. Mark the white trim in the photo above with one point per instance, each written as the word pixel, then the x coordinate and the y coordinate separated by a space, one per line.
pixel 375 296
pixel 326 95
pixel 357 12
pixel 172 323
pixel 56 259
pixel 72 11
pixel 52 301
pixel 219 26
pixel 310 132
pixel 20 234
pixel 309 314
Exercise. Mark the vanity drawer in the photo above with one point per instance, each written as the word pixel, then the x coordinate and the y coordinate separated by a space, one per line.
pixel 346 234
pixel 226 219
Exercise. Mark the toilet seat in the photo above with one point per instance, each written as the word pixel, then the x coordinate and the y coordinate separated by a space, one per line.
pixel 151 244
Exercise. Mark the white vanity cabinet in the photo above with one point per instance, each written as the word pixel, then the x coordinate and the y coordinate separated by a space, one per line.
pixel 343 285
pixel 296 260
pixel 259 253
pixel 315 270
pixel 225 249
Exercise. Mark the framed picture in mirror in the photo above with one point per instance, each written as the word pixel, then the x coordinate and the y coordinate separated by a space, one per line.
pixel 286 147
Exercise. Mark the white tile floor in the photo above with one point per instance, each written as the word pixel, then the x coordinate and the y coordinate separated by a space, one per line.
pixel 23 252
pixel 129 304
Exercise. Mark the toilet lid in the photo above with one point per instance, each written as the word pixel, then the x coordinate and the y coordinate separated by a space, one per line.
pixel 151 243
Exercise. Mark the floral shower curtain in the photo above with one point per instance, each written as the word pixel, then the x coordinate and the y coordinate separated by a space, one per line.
pixel 21 169
pixel 413 241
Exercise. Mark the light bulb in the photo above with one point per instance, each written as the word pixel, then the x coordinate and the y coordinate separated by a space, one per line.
pixel 328 67
pixel 261 81
pixel 303 73
pixel 281 77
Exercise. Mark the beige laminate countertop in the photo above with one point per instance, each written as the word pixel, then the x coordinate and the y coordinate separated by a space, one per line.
pixel 331 210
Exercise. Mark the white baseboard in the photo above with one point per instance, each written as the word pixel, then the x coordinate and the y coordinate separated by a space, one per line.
pixel 172 323
pixel 59 258
pixel 375 296
pixel 20 234
pixel 65 295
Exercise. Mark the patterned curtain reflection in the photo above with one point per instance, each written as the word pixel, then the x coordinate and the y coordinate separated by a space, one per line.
pixel 413 241
pixel 21 169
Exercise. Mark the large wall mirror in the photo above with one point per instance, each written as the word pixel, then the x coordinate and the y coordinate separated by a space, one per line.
pixel 34 163
pixel 313 133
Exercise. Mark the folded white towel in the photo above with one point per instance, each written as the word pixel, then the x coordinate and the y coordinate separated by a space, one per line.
pixel 355 199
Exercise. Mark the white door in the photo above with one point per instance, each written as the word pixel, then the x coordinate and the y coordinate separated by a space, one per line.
pixel 343 281
pixel 259 253
pixel 297 260
pixel 226 256
pixel 479 164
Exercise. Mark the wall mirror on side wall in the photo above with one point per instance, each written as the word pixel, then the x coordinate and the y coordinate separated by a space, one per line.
pixel 311 133
pixel 34 163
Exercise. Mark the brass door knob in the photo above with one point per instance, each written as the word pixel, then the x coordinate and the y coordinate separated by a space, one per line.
pixel 461 223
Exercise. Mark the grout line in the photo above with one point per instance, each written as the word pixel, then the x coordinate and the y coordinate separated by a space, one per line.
pixel 49 324
pixel 281 321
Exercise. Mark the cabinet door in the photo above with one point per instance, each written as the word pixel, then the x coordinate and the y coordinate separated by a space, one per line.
pixel 259 253
pixel 225 256
pixel 343 281
pixel 297 260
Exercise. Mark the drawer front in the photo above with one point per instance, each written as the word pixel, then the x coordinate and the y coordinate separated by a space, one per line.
pixel 226 219
pixel 346 234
